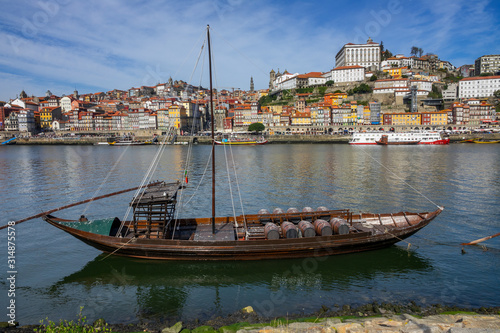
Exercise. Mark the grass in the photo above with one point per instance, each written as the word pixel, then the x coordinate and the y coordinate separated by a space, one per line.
pixel 80 326
pixel 458 312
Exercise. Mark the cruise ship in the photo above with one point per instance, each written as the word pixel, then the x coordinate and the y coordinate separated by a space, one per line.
pixel 423 138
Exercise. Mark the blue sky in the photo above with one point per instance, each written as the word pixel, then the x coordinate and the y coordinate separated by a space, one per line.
pixel 60 45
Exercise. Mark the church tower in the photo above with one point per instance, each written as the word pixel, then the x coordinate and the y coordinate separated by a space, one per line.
pixel 251 84
pixel 272 77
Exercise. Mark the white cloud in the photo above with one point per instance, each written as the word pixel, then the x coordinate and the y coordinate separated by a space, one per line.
pixel 115 44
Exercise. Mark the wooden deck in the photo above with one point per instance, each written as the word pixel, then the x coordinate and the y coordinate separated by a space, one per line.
pixel 223 232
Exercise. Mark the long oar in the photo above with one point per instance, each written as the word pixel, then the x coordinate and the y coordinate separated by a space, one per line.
pixel 481 239
pixel 76 204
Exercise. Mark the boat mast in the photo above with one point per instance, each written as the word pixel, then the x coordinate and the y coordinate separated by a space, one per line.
pixel 212 125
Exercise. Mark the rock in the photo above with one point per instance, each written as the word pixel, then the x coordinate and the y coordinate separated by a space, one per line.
pixel 349 328
pixel 247 309
pixel 174 329
pixel 5 324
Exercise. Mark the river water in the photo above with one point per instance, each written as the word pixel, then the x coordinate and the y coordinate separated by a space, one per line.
pixel 57 274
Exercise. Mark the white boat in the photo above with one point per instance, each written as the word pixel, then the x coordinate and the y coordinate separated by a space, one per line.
pixel 423 138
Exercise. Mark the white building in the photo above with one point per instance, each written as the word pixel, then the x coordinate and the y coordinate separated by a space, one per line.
pixel 474 87
pixel 346 74
pixel 303 80
pixel 451 93
pixel 366 55
pixel 277 84
pixel 26 120
pixel 65 103
pixel 402 86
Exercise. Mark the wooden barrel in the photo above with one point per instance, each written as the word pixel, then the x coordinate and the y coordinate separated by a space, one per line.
pixel 266 219
pixel 339 226
pixel 307 209
pixel 307 229
pixel 321 209
pixel 322 228
pixel 278 211
pixel 289 230
pixel 271 231
pixel 294 219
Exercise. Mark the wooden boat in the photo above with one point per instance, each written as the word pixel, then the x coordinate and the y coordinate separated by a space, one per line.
pixel 485 141
pixel 384 140
pixel 127 143
pixel 240 139
pixel 154 232
pixel 241 142
pixel 467 141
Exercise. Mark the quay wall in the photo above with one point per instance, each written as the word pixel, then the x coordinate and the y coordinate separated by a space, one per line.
pixel 273 139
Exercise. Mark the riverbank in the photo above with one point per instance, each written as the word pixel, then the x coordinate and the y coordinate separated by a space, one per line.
pixel 273 139
pixel 367 318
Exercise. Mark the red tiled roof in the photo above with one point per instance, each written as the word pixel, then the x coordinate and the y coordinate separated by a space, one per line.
pixel 480 78
pixel 347 67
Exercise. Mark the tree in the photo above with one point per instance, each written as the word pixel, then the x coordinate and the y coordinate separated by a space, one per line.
pixel 386 55
pixel 416 51
pixel 373 77
pixel 497 94
pixel 329 83
pixel 256 127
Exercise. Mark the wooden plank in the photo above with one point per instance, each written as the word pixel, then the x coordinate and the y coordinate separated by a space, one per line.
pixel 223 232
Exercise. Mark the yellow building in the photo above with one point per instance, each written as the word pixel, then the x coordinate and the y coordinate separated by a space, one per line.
pixel 435 118
pixel 335 99
pixel 403 118
pixel 366 116
pixel 396 72
pixel 276 109
pixel 301 119
pixel 48 114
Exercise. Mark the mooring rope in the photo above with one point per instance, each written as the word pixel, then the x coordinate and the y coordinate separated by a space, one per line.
pixel 119 248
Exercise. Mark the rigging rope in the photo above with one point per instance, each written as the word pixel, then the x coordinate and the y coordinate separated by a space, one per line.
pixel 230 187
pixel 401 179
pixel 105 180
pixel 147 177
pixel 239 192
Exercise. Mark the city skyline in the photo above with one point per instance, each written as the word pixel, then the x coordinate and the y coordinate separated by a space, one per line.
pixel 63 45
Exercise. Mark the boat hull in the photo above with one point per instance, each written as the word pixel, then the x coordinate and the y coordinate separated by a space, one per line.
pixel 423 138
pixel 239 249
pixel 241 143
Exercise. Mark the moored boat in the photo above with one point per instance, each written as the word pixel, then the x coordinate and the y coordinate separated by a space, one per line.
pixel 240 139
pixel 156 232
pixel 486 141
pixel 423 138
